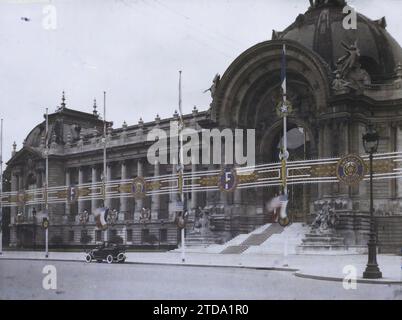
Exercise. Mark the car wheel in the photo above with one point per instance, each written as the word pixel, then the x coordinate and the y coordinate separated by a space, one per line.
pixel 109 258
pixel 88 258
pixel 121 257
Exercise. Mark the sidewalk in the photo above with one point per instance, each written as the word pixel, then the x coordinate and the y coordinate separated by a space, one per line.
pixel 319 267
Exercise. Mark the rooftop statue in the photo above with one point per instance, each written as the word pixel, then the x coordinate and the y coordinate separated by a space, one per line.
pixel 349 60
pixel 321 3
pixel 214 85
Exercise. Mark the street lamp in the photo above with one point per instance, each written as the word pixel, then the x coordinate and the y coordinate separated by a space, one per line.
pixel 370 143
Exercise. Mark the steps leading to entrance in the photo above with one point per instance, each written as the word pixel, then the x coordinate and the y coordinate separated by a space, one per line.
pixel 260 238
pixel 254 239
pixel 235 249
pixel 285 242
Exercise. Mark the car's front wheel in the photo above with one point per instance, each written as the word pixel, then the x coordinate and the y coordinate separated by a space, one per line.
pixel 109 258
pixel 88 258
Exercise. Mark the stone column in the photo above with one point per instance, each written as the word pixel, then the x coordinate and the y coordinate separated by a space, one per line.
pixel 21 182
pixel 155 206
pixel 94 202
pixel 138 202
pixel 399 149
pixel 194 202
pixel 14 187
pixel 108 179
pixel 80 182
pixel 172 194
pixel 123 200
pixel 343 150
pixel 327 153
pixel 68 183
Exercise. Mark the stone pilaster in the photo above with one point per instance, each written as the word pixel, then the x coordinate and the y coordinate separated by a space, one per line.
pixel 123 200
pixel 108 179
pixel 194 203
pixel 94 202
pixel 155 206
pixel 80 182
pixel 68 183
pixel 138 202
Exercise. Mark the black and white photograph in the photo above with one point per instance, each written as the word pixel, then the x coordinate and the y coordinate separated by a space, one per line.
pixel 200 150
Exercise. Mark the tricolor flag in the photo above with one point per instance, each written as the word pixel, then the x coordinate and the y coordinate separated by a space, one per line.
pixel 101 215
pixel 180 103
pixel 283 71
pixel 46 130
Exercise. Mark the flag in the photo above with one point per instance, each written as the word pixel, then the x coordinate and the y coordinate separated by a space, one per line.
pixel 101 215
pixel 180 101
pixel 283 71
pixel 47 131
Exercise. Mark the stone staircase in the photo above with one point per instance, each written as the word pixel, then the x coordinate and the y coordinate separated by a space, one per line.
pixel 254 239
pixel 201 240
pixel 389 230
pixel 317 242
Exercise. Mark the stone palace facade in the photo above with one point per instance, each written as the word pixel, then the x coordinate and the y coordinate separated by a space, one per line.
pixel 338 80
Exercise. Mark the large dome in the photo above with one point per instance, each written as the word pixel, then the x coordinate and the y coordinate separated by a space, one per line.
pixel 321 29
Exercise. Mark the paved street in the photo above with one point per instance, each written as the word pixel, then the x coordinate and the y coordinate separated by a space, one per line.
pixel 22 279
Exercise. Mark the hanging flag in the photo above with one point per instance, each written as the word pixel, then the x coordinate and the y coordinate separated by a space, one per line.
pixel 283 72
pixel 101 215
pixel 180 102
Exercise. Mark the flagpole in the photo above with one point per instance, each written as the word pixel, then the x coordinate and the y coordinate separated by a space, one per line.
pixel 183 250
pixel 1 187
pixel 47 184
pixel 285 129
pixel 104 178
pixel 104 149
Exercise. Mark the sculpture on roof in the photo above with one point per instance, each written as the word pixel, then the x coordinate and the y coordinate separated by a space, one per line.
pixel 214 85
pixel 321 3
pixel 349 60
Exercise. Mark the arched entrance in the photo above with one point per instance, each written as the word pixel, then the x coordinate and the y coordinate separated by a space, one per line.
pixel 300 147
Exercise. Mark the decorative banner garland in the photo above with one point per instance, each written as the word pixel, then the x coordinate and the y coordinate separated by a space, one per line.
pixel 350 169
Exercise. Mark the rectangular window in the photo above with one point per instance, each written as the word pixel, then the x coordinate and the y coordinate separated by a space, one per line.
pixel 129 235
pixel 71 235
pixel 163 235
pixel 113 233
pixel 98 235
pixel 144 235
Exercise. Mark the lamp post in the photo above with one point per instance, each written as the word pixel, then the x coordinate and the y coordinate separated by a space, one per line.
pixel 370 143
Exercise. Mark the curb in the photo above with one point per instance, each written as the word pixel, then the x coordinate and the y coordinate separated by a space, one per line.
pixel 338 279
pixel 167 264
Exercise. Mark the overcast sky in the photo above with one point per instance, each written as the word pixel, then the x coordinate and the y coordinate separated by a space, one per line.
pixel 133 49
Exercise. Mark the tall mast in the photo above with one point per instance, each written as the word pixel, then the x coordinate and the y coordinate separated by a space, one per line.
pixel 104 178
pixel 1 187
pixel 181 157
pixel 47 161
pixel 284 112
pixel 47 183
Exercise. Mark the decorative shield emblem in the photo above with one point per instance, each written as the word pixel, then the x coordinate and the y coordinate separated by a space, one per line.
pixel 351 169
pixel 21 198
pixel 139 187
pixel 228 179
pixel 71 194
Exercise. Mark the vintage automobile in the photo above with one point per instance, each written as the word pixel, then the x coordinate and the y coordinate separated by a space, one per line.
pixel 110 252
